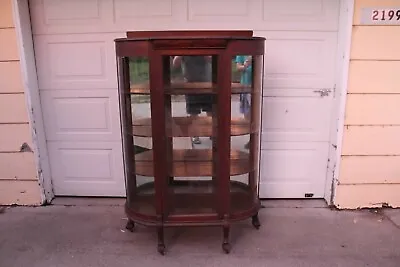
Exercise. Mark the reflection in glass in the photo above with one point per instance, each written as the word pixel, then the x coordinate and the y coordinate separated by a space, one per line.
pixel 139 116
pixel 139 70
pixel 192 77
pixel 241 105
pixel 190 101
pixel 244 109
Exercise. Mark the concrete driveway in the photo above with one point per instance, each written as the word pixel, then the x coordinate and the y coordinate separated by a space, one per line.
pixel 91 233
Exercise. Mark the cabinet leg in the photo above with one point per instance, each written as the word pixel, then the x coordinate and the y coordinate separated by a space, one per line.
pixel 161 245
pixel 130 225
pixel 255 221
pixel 226 246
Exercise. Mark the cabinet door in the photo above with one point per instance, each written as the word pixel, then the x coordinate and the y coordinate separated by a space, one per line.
pixel 190 101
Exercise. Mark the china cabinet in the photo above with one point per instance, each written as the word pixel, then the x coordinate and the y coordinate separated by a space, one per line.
pixel 190 109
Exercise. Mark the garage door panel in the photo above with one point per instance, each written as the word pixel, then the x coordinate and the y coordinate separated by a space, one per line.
pixel 91 16
pixel 301 15
pixel 76 66
pixel 218 13
pixel 203 10
pixel 91 115
pixel 296 119
pixel 76 61
pixel 99 16
pixel 299 60
pixel 142 15
pixel 293 169
pixel 84 168
pixel 60 16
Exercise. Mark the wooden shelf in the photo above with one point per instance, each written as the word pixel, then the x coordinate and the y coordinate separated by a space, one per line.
pixel 187 126
pixel 182 88
pixel 192 163
pixel 192 197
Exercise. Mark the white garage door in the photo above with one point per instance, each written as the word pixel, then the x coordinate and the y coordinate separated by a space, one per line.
pixel 78 87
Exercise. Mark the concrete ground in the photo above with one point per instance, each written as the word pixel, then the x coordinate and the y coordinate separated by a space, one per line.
pixel 293 233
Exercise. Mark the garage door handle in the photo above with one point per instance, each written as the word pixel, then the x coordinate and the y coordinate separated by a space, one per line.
pixel 323 92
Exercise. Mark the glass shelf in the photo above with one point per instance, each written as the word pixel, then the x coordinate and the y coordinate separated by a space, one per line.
pixel 180 88
pixel 192 163
pixel 187 126
pixel 192 197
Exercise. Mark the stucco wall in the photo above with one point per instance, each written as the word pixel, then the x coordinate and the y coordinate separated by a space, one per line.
pixel 18 179
pixel 370 168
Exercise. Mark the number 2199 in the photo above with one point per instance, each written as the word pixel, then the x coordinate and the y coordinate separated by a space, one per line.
pixel 386 14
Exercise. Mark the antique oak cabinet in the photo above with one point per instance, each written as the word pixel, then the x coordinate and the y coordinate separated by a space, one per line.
pixel 190 109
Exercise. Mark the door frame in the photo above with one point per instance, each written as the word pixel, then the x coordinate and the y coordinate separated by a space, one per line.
pixel 346 16
pixel 23 29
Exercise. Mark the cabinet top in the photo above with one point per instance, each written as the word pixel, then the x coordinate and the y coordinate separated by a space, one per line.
pixel 191 34
pixel 139 43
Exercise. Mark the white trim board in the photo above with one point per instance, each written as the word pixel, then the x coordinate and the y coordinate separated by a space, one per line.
pixel 31 90
pixel 338 114
pixel 28 66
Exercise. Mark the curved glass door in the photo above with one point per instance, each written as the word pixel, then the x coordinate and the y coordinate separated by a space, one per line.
pixel 190 99
pixel 245 130
pixel 141 134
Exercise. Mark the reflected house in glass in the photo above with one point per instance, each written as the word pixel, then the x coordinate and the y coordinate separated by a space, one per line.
pixel 191 154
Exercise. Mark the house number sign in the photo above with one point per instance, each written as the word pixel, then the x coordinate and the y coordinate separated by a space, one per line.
pixel 384 16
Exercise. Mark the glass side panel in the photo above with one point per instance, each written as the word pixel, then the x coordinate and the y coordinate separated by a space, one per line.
pixel 256 115
pixel 189 106
pixel 144 198
pixel 240 173
pixel 139 75
pixel 140 118
pixel 240 192
pixel 241 74
pixel 141 126
pixel 141 114
pixel 245 114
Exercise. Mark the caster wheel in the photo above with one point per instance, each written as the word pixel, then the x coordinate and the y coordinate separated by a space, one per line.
pixel 130 226
pixel 226 247
pixel 161 249
pixel 256 222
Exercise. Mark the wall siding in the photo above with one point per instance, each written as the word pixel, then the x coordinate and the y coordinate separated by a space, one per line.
pixel 6 16
pixel 17 166
pixel 18 179
pixel 370 170
pixel 374 77
pixel 375 43
pixel 371 141
pixel 13 109
pixel 373 109
pixel 367 195
pixel 10 69
pixel 370 167
pixel 19 192
pixel 8 41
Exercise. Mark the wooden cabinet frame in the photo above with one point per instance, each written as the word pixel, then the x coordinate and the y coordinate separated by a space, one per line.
pixel 167 201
